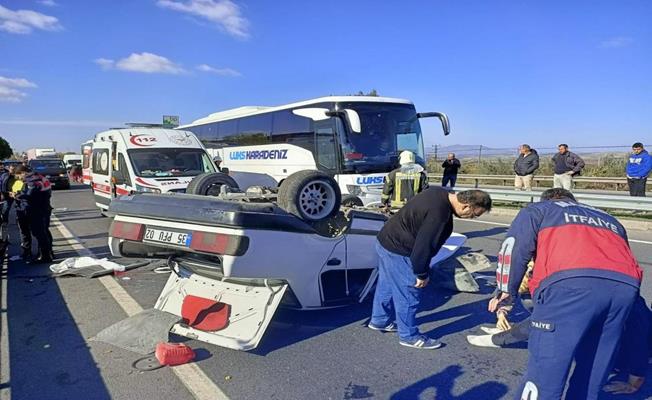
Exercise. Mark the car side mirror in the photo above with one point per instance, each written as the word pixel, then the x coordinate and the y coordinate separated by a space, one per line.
pixel 118 178
pixel 224 170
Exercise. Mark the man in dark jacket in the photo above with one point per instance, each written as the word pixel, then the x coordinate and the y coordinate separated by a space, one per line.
pixel 584 283
pixel 34 201
pixel 6 180
pixel 566 165
pixel 451 166
pixel 524 167
pixel 639 166
pixel 405 247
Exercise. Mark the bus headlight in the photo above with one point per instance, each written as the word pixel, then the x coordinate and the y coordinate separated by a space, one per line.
pixel 145 189
pixel 354 190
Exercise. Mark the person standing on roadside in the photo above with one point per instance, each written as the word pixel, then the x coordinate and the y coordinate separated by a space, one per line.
pixel 566 165
pixel 21 219
pixel 405 246
pixel 451 166
pixel 639 166
pixel 584 283
pixel 34 200
pixel 524 167
pixel 6 180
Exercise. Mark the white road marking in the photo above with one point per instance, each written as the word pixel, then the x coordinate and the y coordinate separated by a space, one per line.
pixel 193 377
pixel 504 224
pixel 5 392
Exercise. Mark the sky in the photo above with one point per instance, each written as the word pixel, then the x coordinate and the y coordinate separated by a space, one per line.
pixel 506 72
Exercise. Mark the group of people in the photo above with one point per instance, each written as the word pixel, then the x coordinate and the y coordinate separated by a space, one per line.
pixel 569 262
pixel 566 165
pixel 30 193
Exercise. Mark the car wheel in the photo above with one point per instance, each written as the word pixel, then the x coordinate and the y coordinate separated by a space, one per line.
pixel 310 195
pixel 350 200
pixel 210 184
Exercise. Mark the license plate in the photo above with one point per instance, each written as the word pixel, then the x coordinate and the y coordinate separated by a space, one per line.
pixel 163 236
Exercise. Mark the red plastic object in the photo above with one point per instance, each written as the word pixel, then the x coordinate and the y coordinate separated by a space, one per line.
pixel 205 314
pixel 173 353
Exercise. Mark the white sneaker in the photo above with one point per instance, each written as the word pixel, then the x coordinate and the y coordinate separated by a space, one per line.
pixel 481 340
pixel 490 331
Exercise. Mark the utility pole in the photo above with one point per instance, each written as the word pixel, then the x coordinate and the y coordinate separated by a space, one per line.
pixel 480 155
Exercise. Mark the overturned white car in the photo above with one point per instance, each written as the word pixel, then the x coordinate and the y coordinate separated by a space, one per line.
pixel 254 255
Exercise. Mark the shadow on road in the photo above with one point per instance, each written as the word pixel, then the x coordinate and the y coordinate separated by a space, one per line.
pixel 440 387
pixel 486 232
pixel 48 356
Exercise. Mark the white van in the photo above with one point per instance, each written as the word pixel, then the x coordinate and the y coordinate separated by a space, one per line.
pixel 155 160
pixel 72 159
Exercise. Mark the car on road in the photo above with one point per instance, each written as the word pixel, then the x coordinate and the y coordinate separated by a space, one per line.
pixel 53 169
pixel 300 249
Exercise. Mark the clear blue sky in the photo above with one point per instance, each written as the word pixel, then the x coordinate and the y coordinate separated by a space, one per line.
pixel 506 72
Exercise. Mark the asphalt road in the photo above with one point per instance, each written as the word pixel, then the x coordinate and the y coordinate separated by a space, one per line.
pixel 47 354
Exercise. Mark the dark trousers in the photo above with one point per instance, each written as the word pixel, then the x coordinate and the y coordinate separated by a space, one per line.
pixel 518 333
pixel 25 233
pixel 577 319
pixel 452 178
pixel 637 187
pixel 635 347
pixel 38 224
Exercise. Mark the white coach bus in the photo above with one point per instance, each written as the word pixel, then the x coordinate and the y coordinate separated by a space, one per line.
pixel 355 139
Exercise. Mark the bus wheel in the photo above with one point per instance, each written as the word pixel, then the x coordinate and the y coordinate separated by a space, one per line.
pixel 310 195
pixel 350 200
pixel 210 184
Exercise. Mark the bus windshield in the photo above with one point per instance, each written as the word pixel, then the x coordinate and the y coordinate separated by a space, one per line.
pixel 386 130
pixel 159 162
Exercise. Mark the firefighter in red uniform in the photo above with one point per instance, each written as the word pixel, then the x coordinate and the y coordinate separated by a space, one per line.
pixel 584 283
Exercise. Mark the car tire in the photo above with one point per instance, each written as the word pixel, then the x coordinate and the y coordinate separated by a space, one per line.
pixel 350 200
pixel 210 184
pixel 310 195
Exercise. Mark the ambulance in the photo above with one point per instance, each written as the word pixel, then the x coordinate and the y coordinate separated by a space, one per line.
pixel 141 159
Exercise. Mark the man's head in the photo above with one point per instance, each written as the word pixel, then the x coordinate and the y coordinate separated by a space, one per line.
pixel 470 203
pixel 12 169
pixel 407 157
pixel 557 194
pixel 524 149
pixel 217 160
pixel 563 148
pixel 451 156
pixel 21 171
pixel 637 148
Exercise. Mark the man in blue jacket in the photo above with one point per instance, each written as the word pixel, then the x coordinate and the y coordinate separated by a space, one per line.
pixel 584 283
pixel 639 166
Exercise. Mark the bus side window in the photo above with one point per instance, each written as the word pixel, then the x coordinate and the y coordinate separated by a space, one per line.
pixel 122 166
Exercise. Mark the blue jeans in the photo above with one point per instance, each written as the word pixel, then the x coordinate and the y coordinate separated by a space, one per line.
pixel 396 298
pixel 580 319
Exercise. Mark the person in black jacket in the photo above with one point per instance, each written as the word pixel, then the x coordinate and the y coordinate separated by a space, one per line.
pixel 566 165
pixel 524 167
pixel 6 180
pixel 450 166
pixel 405 246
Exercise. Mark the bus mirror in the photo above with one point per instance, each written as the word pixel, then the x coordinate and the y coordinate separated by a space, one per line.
pixel 315 114
pixel 354 120
pixel 442 117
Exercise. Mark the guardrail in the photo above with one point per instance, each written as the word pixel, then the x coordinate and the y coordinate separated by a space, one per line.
pixel 509 179
pixel 618 202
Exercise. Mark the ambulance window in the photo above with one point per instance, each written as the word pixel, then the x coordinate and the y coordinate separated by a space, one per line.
pixel 122 166
pixel 101 161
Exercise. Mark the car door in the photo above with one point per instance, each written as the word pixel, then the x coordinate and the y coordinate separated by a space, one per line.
pixel 101 170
